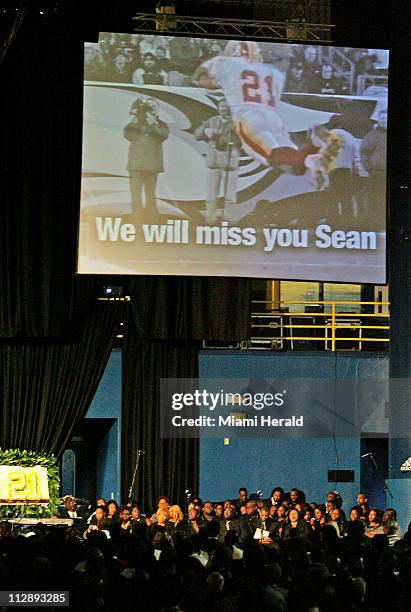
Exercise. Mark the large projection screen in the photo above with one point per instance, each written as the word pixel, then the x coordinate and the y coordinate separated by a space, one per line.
pixel 233 158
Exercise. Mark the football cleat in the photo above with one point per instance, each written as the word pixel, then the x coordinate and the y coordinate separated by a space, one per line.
pixel 320 164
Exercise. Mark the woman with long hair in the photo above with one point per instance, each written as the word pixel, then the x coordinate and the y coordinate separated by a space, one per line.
pixel 374 525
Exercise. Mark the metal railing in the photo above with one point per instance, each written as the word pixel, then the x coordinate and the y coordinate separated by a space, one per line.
pixel 329 316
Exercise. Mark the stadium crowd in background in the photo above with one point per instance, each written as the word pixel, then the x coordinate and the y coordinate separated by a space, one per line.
pixel 248 554
pixel 162 60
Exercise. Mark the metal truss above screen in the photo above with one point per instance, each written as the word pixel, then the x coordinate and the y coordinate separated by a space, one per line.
pixel 316 11
pixel 229 28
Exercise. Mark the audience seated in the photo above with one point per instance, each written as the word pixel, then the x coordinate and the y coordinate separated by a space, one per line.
pixel 294 558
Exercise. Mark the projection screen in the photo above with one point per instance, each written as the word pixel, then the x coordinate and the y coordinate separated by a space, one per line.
pixel 233 158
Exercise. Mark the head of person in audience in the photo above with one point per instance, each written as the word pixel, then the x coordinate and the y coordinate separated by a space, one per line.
pixel 218 509
pixel 297 70
pixel 161 53
pixel 193 513
pixel 100 513
pixel 120 61
pixel 149 60
pixel 374 516
pixel 163 502
pixel 135 512
pixel 264 513
pixel 112 508
pixel 273 511
pixel 101 502
pixel 175 514
pixel 327 71
pixel 355 513
pixel 243 509
pixel 277 495
pixel 310 54
pixel 294 496
pixel 251 507
pixel 329 505
pixel 228 512
pixel 281 512
pixel 124 514
pixel 216 48
pixel 362 498
pixel 208 510
pixel 228 502
pixel 294 516
pixel 70 502
pixel 335 514
pixel 163 516
pixel 319 513
pixel 308 513
pixel 242 494
pixel 389 514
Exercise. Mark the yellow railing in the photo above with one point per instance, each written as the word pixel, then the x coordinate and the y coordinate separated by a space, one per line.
pixel 335 319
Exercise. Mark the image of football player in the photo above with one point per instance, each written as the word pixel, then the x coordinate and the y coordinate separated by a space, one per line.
pixel 253 92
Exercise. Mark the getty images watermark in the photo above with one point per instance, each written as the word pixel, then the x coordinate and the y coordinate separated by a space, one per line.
pixel 222 408
pixel 221 400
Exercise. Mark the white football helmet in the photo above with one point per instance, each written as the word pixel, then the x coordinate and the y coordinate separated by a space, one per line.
pixel 243 48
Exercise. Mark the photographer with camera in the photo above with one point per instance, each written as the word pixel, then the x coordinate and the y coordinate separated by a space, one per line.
pixel 146 133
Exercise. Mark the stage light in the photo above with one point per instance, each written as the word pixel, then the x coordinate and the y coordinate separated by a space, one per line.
pixel 165 9
pixel 112 291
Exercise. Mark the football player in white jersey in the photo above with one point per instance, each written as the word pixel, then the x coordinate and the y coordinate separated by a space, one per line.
pixel 253 91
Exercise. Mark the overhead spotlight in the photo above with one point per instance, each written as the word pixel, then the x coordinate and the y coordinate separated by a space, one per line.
pixel 296 27
pixel 165 10
pixel 112 291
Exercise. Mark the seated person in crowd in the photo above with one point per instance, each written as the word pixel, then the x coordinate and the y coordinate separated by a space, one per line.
pixel 98 521
pixel 150 72
pixel 159 526
pixel 266 529
pixel 295 527
pixel 163 503
pixel 374 525
pixel 208 511
pixel 277 495
pixel 176 525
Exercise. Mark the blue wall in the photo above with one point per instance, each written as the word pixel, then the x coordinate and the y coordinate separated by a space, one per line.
pixel 265 463
pixel 107 405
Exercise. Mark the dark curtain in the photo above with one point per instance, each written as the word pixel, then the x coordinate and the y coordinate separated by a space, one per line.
pixel 40 166
pixel 47 387
pixel 168 466
pixel 191 308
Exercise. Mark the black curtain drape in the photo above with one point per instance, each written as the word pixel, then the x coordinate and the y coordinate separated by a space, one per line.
pixel 196 308
pixel 47 388
pixel 167 319
pixel 168 466
pixel 40 168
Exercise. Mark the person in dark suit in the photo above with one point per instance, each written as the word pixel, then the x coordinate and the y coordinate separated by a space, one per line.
pixel 266 524
pixel 72 510
pixel 247 523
